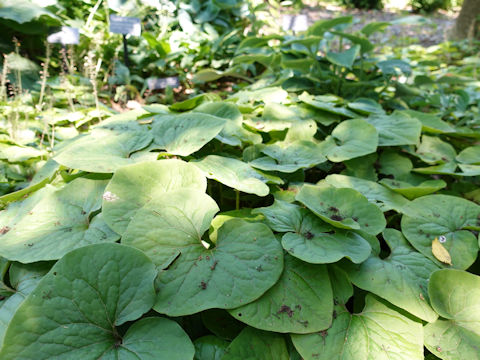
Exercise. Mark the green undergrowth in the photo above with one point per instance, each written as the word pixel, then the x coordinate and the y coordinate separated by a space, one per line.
pixel 329 210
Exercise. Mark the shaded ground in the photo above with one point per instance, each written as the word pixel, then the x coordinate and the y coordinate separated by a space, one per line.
pixel 423 30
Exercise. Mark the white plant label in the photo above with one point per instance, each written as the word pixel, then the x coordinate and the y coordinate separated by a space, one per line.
pixel 125 25
pixel 66 36
pixel 295 23
pixel 162 83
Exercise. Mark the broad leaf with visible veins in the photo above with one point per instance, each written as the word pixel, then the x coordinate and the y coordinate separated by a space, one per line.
pixel 291 157
pixel 396 129
pixel 23 278
pixel 432 216
pixel 300 302
pixel 377 333
pixel 454 295
pixel 256 344
pixel 54 221
pixel 133 186
pixel 413 191
pixel 343 208
pixel 210 347
pixel 233 133
pixel 246 261
pixel 169 223
pixel 401 278
pixel 184 134
pixel 74 311
pixel 349 140
pixel 236 174
pixel 310 239
pixel 104 150
pixel 377 194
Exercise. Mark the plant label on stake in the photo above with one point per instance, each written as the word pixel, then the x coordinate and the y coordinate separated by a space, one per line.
pixel 66 36
pixel 295 23
pixel 125 26
pixel 162 83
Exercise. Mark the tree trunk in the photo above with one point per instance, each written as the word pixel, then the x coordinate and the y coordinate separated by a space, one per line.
pixel 467 22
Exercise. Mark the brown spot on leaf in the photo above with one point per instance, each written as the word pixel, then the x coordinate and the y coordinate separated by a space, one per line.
pixel 214 265
pixel 4 230
pixel 308 235
pixel 336 217
pixel 333 209
pixel 285 309
pixel 303 322
pixel 203 285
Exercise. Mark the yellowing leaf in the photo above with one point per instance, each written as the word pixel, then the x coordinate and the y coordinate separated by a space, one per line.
pixel 440 252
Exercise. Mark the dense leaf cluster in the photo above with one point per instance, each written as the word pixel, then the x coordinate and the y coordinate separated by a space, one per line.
pixel 327 211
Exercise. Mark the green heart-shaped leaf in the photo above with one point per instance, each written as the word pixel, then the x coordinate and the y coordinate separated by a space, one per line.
pixel 210 348
pixel 234 173
pixel 324 248
pixel 23 278
pixel 54 221
pixel 366 106
pixel 154 338
pixel 343 208
pixel 194 101
pixel 310 239
pixel 319 103
pixel 185 134
pixel 105 149
pixel 290 158
pixel 233 133
pixel 245 263
pixel 378 332
pixel 402 278
pixel 454 295
pixel 431 123
pixel 300 302
pixel 170 222
pixel 434 150
pixel 345 58
pixel 414 191
pixel 469 155
pixel 285 217
pixel 385 199
pixel 133 186
pixel 396 129
pixel 256 344
pixel 97 288
pixel 275 117
pixel 351 139
pixel 432 216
